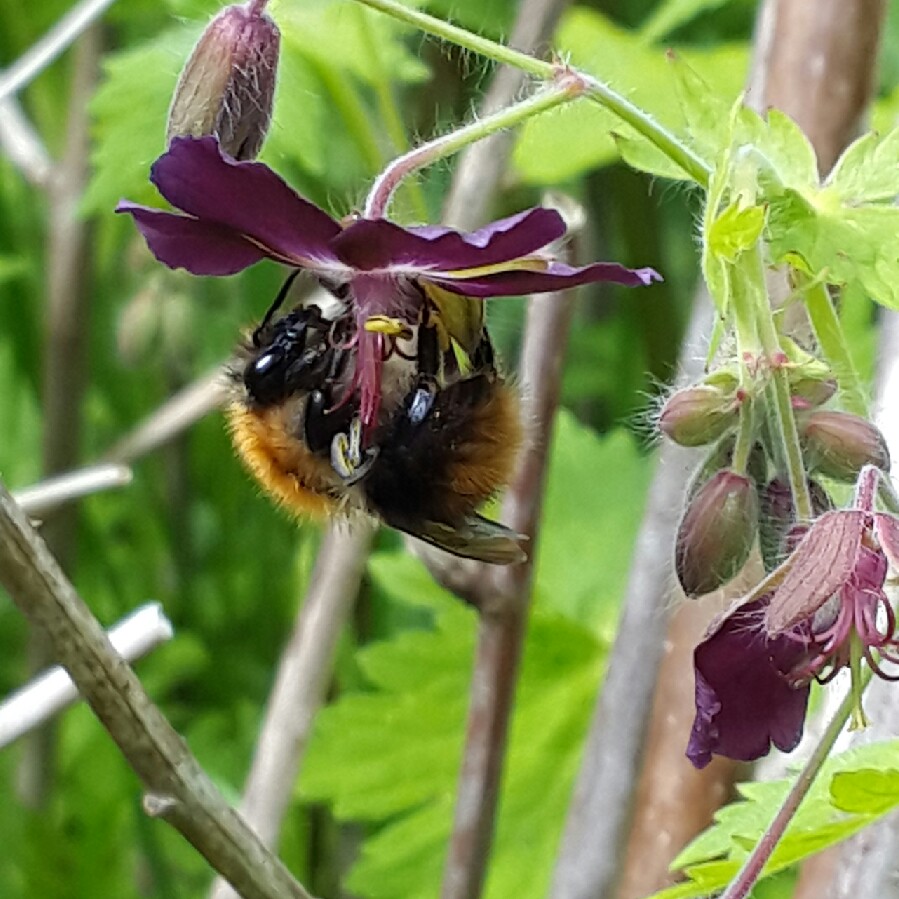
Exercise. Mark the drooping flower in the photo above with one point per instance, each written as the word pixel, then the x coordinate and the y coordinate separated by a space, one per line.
pixel 745 700
pixel 237 213
pixel 822 610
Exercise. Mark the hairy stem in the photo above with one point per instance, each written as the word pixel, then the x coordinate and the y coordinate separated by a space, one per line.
pixel 564 90
pixel 677 151
pixel 741 885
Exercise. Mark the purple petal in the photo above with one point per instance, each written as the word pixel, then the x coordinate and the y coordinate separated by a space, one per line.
pixel 744 702
pixel 244 197
pixel 808 584
pixel 200 247
pixel 556 276
pixel 370 244
pixel 886 527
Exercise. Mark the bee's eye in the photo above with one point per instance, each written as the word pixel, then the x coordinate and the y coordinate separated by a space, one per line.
pixel 264 377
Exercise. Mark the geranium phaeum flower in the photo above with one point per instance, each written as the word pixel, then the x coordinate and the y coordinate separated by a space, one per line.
pixel 236 213
pixel 745 697
pixel 808 619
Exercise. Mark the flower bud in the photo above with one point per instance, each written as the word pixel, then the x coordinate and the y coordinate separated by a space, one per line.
pixel 698 415
pixel 779 529
pixel 227 85
pixel 716 533
pixel 807 393
pixel 838 444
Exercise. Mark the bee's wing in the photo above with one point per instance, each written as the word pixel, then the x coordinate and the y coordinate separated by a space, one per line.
pixel 476 538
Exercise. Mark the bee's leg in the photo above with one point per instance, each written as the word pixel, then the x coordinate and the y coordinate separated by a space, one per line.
pixel 275 306
pixel 348 458
pixel 421 399
pixel 484 359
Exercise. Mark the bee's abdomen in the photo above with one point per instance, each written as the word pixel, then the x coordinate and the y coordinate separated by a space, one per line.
pixel 443 466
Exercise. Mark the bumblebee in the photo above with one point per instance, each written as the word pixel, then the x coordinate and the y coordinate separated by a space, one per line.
pixel 446 439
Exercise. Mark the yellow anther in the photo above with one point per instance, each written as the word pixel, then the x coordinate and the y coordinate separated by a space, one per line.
pixel 385 324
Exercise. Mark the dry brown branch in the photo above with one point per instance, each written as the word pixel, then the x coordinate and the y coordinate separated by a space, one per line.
pixel 178 790
pixel 673 802
pixel 23 145
pixel 301 682
pixel 593 843
pixel 64 373
pixel 503 597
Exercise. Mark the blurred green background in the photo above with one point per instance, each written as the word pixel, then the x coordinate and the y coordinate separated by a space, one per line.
pixel 194 533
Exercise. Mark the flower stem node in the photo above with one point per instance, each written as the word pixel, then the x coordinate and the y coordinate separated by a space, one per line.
pixel 838 445
pixel 699 415
pixel 716 533
pixel 227 86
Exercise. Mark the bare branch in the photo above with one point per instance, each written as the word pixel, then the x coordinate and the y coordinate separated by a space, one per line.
pixel 66 323
pixel 64 33
pixel 23 145
pixel 54 492
pixel 589 861
pixel 133 637
pixel 503 597
pixel 186 798
pixel 304 673
pixel 481 166
pixel 175 415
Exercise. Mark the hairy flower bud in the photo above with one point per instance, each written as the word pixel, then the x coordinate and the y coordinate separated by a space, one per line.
pixel 779 528
pixel 716 533
pixel 698 415
pixel 807 393
pixel 839 445
pixel 227 85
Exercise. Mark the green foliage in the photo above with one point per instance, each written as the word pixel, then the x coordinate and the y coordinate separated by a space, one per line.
pixel 193 533
pixel 670 15
pixel 566 143
pixel 331 55
pixel 853 790
pixel 389 754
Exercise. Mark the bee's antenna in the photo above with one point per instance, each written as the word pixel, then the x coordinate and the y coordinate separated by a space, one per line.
pixel 276 305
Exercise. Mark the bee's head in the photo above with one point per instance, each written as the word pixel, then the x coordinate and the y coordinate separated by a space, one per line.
pixel 293 354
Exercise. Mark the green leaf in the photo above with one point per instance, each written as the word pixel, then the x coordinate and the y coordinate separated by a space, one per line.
pixel 868 170
pixel 783 145
pixel 643 156
pixel 129 111
pixel 593 508
pixel 390 754
pixel 12 267
pixel 868 791
pixel 562 144
pixel 736 230
pixel 853 790
pixel 844 245
pixel 353 40
pixel 672 14
pixel 394 752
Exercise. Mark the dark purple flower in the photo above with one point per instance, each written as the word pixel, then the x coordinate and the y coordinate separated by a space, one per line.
pixel 745 699
pixel 823 609
pixel 236 213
